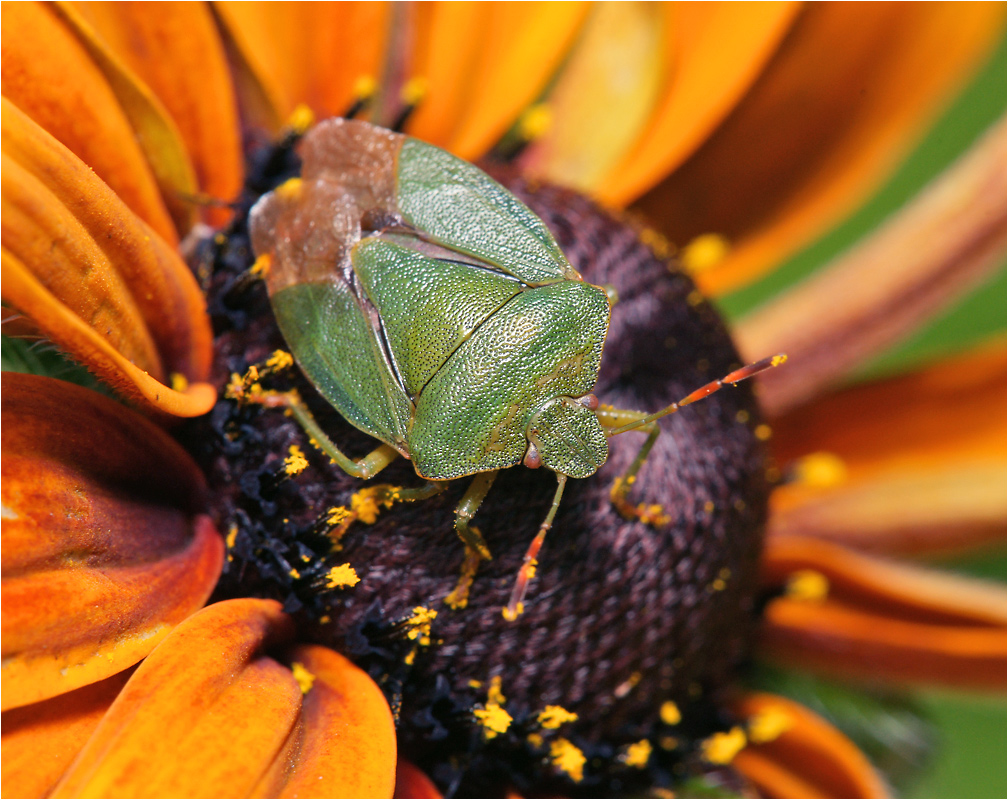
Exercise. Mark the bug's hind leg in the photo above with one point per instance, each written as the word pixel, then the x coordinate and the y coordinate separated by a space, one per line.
pixel 650 514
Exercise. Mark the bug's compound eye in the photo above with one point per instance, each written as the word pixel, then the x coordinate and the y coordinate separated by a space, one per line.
pixel 589 401
pixel 532 458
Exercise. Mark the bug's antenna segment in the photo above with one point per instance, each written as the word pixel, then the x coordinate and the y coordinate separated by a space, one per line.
pixel 704 391
pixel 528 567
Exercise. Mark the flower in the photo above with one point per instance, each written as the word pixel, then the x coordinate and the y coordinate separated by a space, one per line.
pixel 725 161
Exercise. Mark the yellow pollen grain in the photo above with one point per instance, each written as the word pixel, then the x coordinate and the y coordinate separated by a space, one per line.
pixel 414 90
pixel 294 573
pixel 280 360
pixel 656 243
pixel 535 122
pixel 704 252
pixel 718 585
pixel 510 615
pixel 325 619
pixel 568 758
pixel 494 694
pixel 777 360
pixel 722 747
pixel 739 504
pixel 762 432
pixel 364 87
pixel 742 416
pixel 364 506
pixel 552 717
pixel 179 382
pixel 668 743
pixel 628 685
pixel 670 713
pixel 708 507
pixel 289 189
pixel 420 623
pixel 807 585
pixel 458 598
pixel 232 536
pixel 301 119
pixel 534 739
pixel 637 754
pixel 821 470
pixel 338 515
pixel 296 462
pixel 261 265
pixel 410 657
pixel 304 678
pixel 494 719
pixel 768 725
pixel 342 576
pixel 475 684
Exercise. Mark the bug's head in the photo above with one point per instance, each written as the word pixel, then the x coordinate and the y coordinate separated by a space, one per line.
pixel 565 435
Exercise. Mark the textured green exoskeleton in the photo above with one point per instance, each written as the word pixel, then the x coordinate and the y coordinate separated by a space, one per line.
pixel 436 313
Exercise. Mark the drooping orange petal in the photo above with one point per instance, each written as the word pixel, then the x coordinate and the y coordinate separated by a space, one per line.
pixel 521 47
pixel 42 739
pixel 716 52
pixel 212 698
pixel 604 95
pixel 882 621
pixel 51 77
pixel 349 734
pixel 310 53
pixel 932 252
pixel 177 52
pixel 412 782
pixel 104 546
pixel 810 758
pixel 923 460
pixel 95 278
pixel 844 98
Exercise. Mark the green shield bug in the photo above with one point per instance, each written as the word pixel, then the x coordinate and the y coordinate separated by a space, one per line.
pixel 437 314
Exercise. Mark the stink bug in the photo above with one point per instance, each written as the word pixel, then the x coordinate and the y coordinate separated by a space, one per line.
pixel 437 314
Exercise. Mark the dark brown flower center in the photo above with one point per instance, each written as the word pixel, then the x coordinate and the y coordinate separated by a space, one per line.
pixel 621 616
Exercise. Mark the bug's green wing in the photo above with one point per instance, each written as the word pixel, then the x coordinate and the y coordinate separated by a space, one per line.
pixel 459 206
pixel 545 342
pixel 337 348
pixel 428 307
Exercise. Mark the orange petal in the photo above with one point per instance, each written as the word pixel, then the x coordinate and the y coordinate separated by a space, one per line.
pixel 604 95
pixel 412 782
pixel 521 46
pixel 92 589
pixel 41 740
pixel 844 99
pixel 74 254
pixel 210 713
pixel 716 51
pixel 349 734
pixel 932 252
pixel 884 621
pixel 310 53
pixel 51 77
pixel 923 460
pixel 810 758
pixel 156 133
pixel 178 53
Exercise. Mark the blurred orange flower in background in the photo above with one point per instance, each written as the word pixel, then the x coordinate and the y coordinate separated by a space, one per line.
pixel 744 132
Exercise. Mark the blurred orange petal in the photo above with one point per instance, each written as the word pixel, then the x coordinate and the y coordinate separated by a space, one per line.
pixel 94 278
pixel 178 54
pixel 49 75
pixel 810 758
pixel 42 739
pixel 311 53
pixel 880 620
pixel 622 53
pixel 848 93
pixel 520 47
pixel 104 547
pixel 929 478
pixel 921 260
pixel 716 51
pixel 412 782
pixel 211 697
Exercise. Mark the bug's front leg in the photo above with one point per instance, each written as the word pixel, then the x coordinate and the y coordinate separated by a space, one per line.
pixel 650 514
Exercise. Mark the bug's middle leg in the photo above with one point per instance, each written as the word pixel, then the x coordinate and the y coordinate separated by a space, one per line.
pixel 466 510
pixel 651 514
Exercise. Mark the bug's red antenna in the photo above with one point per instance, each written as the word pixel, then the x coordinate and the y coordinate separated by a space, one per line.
pixel 704 391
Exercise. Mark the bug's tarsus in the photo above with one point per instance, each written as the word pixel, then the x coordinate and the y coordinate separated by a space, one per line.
pixel 466 510
pixel 515 605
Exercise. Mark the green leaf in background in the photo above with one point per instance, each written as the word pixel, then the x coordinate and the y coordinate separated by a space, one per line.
pixel 40 357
